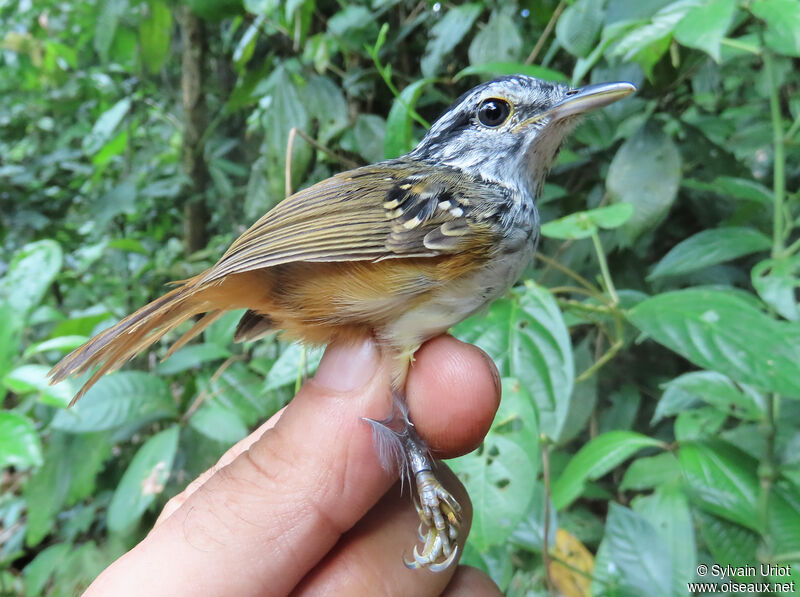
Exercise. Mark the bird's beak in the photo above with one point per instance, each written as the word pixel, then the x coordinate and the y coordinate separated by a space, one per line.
pixel 591 97
pixel 580 101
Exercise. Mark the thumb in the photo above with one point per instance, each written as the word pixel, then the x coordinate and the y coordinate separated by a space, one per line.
pixel 284 501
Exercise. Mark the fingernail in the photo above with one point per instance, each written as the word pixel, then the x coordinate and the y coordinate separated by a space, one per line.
pixel 347 366
pixel 498 383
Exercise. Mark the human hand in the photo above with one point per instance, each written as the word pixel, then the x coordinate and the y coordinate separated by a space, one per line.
pixel 302 505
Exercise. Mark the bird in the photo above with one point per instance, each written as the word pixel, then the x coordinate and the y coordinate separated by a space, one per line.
pixel 400 250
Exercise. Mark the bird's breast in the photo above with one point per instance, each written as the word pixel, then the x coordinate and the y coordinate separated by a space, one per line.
pixel 464 296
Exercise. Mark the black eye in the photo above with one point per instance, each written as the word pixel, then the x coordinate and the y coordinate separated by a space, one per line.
pixel 493 112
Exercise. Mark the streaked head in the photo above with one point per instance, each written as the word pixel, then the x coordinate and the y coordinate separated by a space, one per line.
pixel 509 130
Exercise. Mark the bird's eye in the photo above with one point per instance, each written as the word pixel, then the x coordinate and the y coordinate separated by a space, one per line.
pixel 493 112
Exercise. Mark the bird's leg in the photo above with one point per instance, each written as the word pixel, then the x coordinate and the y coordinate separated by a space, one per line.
pixel 439 512
pixel 399 445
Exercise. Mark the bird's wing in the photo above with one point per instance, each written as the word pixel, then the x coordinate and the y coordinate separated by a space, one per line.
pixel 371 213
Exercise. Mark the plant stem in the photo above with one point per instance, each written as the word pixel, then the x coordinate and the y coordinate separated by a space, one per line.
pixel 568 272
pixel 779 176
pixel 546 33
pixel 545 442
pixel 598 364
pixel 601 258
pixel 766 469
pixel 793 248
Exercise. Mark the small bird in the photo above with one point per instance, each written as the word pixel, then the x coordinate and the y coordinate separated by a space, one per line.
pixel 400 250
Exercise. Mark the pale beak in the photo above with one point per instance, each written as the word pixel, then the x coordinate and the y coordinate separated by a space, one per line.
pixel 580 101
pixel 591 97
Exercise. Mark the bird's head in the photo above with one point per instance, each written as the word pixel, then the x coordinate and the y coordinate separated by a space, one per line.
pixel 509 130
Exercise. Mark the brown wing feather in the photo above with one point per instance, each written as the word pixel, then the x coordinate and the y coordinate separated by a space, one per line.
pixel 373 213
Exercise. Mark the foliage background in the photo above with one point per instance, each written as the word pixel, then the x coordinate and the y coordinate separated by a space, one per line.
pixel 650 410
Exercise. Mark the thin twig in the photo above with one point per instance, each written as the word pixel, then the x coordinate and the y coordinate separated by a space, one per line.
pixel 203 396
pixel 546 526
pixel 344 161
pixel 601 258
pixel 607 356
pixel 568 272
pixel 288 172
pixel 546 33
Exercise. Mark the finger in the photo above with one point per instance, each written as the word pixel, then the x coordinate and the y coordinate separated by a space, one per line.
pixel 280 506
pixel 471 582
pixel 368 559
pixel 229 456
pixel 453 394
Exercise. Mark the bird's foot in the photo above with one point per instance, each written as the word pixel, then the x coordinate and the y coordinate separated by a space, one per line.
pixel 440 519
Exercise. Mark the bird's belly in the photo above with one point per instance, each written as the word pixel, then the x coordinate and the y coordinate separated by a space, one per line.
pixel 458 300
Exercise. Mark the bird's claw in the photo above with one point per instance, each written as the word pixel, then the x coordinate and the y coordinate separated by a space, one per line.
pixel 440 518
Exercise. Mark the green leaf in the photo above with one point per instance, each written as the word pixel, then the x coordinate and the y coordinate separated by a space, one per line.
pixel 445 35
pixel 122 398
pixel 633 557
pixel 736 188
pixel 704 26
pixel 219 423
pixel 399 124
pixel 650 471
pixel 327 105
pixel 719 391
pixel 105 126
pixel 647 43
pixel 783 525
pixel 584 395
pixel 19 442
pixel 579 26
pixel 83 325
pixel 88 453
pixel 722 480
pixel 369 133
pixel 517 419
pixel 777 281
pixel 46 491
pixel 594 460
pixel 155 32
pixel 729 543
pixel 528 340
pixel 783 24
pixel 143 480
pixel 261 7
pixel 497 69
pixel 285 110
pixel 61 344
pixel 120 199
pixel 195 355
pixel 583 224
pixel 645 172
pixel 295 361
pixel 106 25
pixel 708 248
pixel 242 391
pixel 29 379
pixel 43 567
pixel 11 326
pixel 668 511
pixel 698 423
pixel 222 330
pixel 22 291
pixel 498 41
pixel 500 479
pixel 720 331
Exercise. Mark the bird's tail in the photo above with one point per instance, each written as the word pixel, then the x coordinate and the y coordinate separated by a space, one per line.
pixel 115 346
